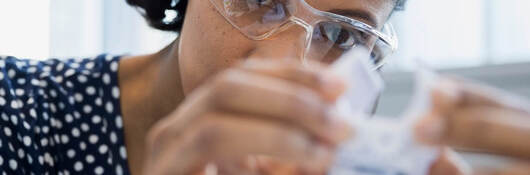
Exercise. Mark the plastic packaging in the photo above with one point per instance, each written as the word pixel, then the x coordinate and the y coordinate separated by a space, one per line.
pixel 381 145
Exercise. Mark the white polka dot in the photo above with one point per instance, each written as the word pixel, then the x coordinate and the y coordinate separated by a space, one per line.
pixel 41 160
pixel 109 107
pixel 5 117
pixel 30 159
pixel 11 73
pixel 53 93
pixel 78 166
pixel 113 137
pixel 1 75
pixel 96 119
pixel 87 109
pixel 93 139
pixel 35 82
pixel 103 149
pixel 21 153
pixel 69 72
pixel 58 79
pixel 61 105
pixel 33 113
pixel 123 152
pixel 98 170
pixel 14 104
pixel 56 138
pixel 119 170
pixel 84 127
pixel 70 153
pixel 14 119
pixel 78 97
pixel 74 65
pixel 19 92
pixel 48 159
pixel 13 164
pixel 119 122
pixel 21 81
pixel 106 78
pixel 114 66
pixel 108 57
pixel 2 101
pixel 64 139
pixel 82 79
pixel 98 101
pixel 82 146
pixel 32 69
pixel 77 115
pixel 75 132
pixel 116 92
pixel 69 84
pixel 27 140
pixel 45 129
pixel 46 69
pixel 59 67
pixel 26 125
pixel 44 141
pixel 7 131
pixel 90 159
pixel 1 161
pixel 89 65
pixel 90 90
pixel 68 118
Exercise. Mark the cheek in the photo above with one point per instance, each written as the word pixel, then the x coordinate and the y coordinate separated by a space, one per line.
pixel 208 44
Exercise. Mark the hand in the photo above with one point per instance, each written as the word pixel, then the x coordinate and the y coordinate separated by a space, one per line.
pixel 474 117
pixel 265 108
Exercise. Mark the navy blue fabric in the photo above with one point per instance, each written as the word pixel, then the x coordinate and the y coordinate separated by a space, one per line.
pixel 61 117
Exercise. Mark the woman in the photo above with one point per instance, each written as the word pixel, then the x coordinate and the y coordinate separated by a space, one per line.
pixel 244 86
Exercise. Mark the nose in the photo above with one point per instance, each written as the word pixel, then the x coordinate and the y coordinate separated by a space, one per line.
pixel 289 43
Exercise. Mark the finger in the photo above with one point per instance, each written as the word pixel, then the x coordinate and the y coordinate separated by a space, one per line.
pixel 224 137
pixel 446 97
pixel 449 163
pixel 475 94
pixel 315 76
pixel 279 100
pixel 487 129
pixel 514 169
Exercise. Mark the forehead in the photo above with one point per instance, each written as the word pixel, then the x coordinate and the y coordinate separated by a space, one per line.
pixel 373 12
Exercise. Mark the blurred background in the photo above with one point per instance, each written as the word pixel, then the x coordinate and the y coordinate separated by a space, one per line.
pixel 486 40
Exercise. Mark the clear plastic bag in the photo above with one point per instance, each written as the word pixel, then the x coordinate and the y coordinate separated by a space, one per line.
pixel 381 145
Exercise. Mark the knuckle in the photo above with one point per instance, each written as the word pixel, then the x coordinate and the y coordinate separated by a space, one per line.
pixel 223 86
pixel 305 103
pixel 207 136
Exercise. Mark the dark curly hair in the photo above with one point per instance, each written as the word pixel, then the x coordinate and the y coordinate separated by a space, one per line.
pixel 156 12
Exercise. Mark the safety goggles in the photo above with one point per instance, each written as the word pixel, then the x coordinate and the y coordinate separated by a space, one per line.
pixel 327 35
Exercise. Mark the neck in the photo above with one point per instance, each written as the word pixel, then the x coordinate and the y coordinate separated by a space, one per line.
pixel 151 89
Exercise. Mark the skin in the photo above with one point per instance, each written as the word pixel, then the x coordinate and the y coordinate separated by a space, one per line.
pixel 213 95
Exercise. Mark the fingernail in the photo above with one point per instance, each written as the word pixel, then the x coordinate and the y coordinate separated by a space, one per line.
pixel 338 129
pixel 431 130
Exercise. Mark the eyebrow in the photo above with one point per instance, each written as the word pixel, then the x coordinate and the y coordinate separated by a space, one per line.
pixel 359 14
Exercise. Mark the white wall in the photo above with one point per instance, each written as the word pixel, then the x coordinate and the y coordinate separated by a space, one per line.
pixel 24 28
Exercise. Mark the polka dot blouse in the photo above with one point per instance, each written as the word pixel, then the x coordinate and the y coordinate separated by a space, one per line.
pixel 61 117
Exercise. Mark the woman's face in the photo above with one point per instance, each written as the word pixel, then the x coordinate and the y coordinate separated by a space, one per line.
pixel 209 43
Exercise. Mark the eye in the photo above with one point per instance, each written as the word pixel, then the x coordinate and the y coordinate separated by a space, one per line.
pixel 263 2
pixel 341 36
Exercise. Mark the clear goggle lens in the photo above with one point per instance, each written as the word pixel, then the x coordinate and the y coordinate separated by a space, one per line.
pixel 328 35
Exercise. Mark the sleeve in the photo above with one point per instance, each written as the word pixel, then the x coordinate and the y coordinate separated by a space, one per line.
pixel 61 117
